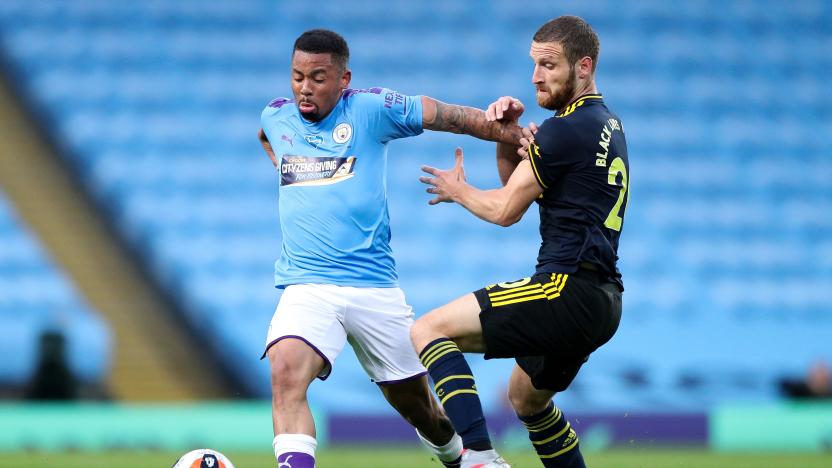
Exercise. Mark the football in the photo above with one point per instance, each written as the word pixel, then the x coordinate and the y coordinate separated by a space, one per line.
pixel 203 458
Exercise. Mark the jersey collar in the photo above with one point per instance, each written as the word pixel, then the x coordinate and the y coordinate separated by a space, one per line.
pixel 578 102
pixel 326 121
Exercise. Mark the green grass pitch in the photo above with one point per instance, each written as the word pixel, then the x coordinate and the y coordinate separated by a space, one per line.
pixel 413 458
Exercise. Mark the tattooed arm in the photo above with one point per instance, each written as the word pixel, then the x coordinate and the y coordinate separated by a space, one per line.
pixel 442 117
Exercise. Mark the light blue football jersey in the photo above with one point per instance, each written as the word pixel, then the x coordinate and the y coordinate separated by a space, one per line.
pixel 333 187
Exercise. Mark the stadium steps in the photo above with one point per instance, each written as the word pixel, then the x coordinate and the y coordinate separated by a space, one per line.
pixel 155 358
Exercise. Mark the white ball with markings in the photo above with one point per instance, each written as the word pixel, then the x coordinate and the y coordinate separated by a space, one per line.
pixel 203 458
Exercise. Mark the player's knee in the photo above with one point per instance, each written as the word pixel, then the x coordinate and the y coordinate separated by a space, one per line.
pixel 289 375
pixel 524 403
pixel 420 334
pixel 284 377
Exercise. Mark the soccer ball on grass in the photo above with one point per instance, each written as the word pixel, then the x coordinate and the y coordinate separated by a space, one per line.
pixel 203 458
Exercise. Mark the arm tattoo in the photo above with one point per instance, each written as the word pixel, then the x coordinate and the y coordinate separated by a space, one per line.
pixel 470 121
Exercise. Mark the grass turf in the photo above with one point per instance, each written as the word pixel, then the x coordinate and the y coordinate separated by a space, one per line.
pixel 412 458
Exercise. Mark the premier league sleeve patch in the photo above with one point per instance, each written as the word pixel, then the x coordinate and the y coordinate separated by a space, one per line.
pixel 309 170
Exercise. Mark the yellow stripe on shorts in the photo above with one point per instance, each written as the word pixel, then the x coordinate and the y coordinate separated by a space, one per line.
pixel 522 299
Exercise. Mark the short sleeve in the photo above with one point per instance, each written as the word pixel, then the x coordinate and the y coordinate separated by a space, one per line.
pixel 555 151
pixel 274 108
pixel 392 115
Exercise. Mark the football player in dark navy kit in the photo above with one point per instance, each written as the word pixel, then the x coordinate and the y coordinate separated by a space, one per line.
pixel 575 167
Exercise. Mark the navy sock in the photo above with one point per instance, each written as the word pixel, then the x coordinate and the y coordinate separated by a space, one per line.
pixel 554 439
pixel 454 385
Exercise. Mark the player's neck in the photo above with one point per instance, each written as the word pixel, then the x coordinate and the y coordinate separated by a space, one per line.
pixel 582 90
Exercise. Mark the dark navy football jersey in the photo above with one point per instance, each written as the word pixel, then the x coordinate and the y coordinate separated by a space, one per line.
pixel 579 158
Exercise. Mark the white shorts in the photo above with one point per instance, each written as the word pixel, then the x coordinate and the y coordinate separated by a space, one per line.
pixel 376 321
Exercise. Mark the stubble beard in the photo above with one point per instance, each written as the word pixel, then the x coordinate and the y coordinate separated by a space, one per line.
pixel 560 99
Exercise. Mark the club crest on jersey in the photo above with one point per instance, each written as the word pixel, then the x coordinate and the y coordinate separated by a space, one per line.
pixel 310 170
pixel 342 133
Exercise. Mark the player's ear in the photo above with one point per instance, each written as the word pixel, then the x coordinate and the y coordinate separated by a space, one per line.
pixel 584 68
pixel 346 77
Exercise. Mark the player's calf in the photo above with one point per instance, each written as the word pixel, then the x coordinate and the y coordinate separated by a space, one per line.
pixel 414 402
pixel 454 385
pixel 553 438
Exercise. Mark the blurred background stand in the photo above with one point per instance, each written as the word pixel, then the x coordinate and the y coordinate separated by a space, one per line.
pixel 53 379
pixel 816 384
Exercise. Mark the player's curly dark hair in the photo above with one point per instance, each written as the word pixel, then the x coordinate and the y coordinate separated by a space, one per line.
pixel 574 34
pixel 324 41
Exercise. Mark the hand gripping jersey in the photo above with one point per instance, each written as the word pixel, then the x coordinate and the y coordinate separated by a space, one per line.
pixel 333 187
pixel 580 161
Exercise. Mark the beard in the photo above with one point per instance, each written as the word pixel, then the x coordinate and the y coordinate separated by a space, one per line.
pixel 310 115
pixel 560 99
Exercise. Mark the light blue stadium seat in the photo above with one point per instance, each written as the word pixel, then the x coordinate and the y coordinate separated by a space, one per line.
pixel 19 339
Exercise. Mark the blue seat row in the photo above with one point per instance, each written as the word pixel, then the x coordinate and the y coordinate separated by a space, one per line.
pixel 36 297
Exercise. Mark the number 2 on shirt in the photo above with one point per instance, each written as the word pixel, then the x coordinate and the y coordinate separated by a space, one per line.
pixel 617 167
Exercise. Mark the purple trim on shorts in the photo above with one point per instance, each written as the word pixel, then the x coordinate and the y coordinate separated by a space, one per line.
pixel 327 367
pixel 406 379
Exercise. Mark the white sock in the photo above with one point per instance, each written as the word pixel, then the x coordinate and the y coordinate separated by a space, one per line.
pixel 302 443
pixel 446 453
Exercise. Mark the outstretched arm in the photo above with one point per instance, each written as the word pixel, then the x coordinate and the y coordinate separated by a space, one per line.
pixel 504 206
pixel 442 117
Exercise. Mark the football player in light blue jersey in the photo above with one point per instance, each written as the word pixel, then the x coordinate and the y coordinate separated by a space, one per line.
pixel 329 145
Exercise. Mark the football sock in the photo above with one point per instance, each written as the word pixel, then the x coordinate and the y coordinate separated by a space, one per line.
pixel 454 385
pixel 449 454
pixel 554 439
pixel 294 450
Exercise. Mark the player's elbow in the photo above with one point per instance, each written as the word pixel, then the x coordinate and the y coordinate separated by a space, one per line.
pixel 505 212
pixel 507 218
pixel 506 222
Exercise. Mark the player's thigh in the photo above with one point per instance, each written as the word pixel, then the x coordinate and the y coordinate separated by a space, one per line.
pixel 294 364
pixel 517 317
pixel 458 320
pixel 311 314
pixel 378 321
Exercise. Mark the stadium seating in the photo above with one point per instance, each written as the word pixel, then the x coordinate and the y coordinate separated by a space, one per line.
pixel 35 298
pixel 726 253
